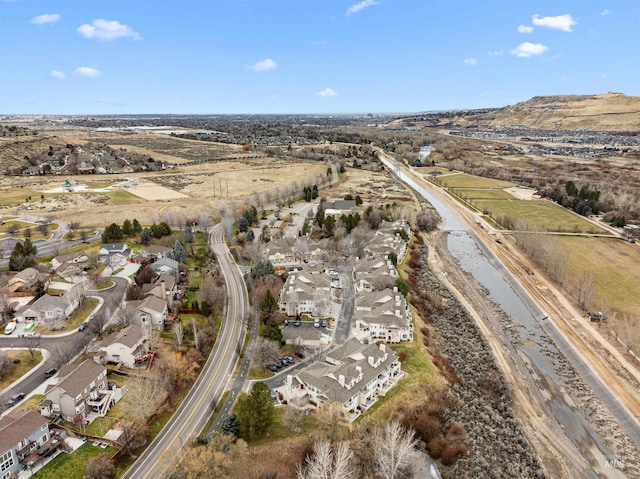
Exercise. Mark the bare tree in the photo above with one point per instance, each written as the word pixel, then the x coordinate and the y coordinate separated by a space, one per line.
pixel 427 220
pixel 263 351
pixel 144 395
pixel 133 436
pixel 212 290
pixel 585 289
pixel 60 355
pixel 99 322
pixel 100 467
pixel 5 362
pixel 628 331
pixel 204 221
pixel 32 344
pixel 194 329
pixel 394 447
pixel 328 464
pixel 178 335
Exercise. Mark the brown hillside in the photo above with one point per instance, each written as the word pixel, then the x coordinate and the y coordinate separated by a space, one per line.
pixel 610 111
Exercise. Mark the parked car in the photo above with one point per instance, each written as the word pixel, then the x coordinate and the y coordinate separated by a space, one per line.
pixel 32 334
pixel 324 323
pixel 15 399
pixel 299 354
pixel 272 367
pixel 10 328
pixel 83 326
pixel 286 362
pixel 316 323
pixel 296 322
pixel 50 372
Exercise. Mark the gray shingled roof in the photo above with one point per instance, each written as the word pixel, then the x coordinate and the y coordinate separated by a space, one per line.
pixel 129 336
pixel 77 377
pixel 17 426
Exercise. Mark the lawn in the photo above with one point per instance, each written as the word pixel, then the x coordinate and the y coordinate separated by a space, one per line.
pixel 31 404
pixel 483 194
pixel 542 214
pixel 78 316
pixel 23 367
pixel 71 466
pixel 121 196
pixel 615 266
pixel 464 180
pixel 104 284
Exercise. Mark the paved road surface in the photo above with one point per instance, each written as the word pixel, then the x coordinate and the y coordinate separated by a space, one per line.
pixel 195 410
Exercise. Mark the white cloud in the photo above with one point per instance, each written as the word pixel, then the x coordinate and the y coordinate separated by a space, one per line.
pixel 57 74
pixel 361 6
pixel 526 49
pixel 87 72
pixel 45 18
pixel 327 92
pixel 561 22
pixel 605 12
pixel 525 29
pixel 107 30
pixel 470 61
pixel 496 53
pixel 264 65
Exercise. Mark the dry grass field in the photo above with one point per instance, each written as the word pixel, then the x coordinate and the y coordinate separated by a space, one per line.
pixel 615 267
pixel 463 180
pixel 185 189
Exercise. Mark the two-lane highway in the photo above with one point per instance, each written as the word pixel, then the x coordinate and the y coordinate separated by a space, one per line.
pixel 194 412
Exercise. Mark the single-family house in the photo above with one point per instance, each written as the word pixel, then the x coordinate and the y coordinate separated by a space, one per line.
pixel 382 315
pixel 127 347
pixel 26 281
pixel 166 266
pixel 163 287
pixel 20 435
pixel 149 312
pixel 49 310
pixel 353 376
pixel 80 387
pixel 114 254
pixel 70 264
pixel 280 251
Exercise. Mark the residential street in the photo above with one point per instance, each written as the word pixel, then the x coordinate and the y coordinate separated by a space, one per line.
pixel 194 412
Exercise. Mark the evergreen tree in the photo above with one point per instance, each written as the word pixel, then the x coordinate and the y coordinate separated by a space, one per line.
pixel 112 233
pixel 272 331
pixel 146 236
pixel 229 425
pixel 127 228
pixel 268 306
pixel 188 235
pixel 255 412
pixel 262 268
pixel 29 249
pixel 250 236
pixel 179 253
pixel 137 227
pixel 329 224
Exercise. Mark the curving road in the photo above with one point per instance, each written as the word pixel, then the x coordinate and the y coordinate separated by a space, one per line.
pixel 194 412
pixel 71 342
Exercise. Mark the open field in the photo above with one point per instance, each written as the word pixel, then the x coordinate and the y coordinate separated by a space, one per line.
pixel 151 192
pixel 21 195
pixel 463 180
pixel 615 267
pixel 205 185
pixel 542 214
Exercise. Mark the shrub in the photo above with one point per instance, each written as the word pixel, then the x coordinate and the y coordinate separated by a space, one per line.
pixel 451 453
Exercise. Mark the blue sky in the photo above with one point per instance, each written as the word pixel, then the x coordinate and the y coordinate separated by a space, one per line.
pixel 309 56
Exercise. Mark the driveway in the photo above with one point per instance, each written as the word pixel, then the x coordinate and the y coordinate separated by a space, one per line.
pixel 127 270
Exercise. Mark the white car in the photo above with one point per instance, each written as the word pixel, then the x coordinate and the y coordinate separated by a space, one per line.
pixel 10 328
pixel 32 334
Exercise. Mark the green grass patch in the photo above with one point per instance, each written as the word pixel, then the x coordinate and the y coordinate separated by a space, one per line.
pixel 186 318
pixel 121 196
pixel 55 292
pixel 195 278
pixel 116 271
pixel 259 373
pixel 542 214
pixel 483 194
pixel 71 466
pixel 104 284
pixel 464 180
pixel 31 404
pixel 20 195
pixel 25 365
pixel 615 267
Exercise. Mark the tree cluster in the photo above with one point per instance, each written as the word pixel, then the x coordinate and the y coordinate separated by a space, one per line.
pixel 23 256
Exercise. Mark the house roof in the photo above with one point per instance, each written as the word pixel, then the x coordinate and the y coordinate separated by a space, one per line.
pixel 76 377
pixel 152 303
pixel 46 303
pixel 68 257
pixel 129 336
pixel 171 263
pixel 114 247
pixel 352 360
pixel 15 427
pixel 29 274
